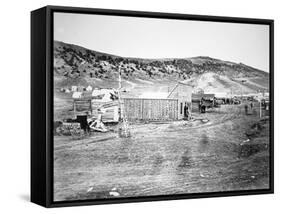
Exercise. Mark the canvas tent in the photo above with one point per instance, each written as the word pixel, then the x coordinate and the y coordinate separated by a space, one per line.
pixel 104 95
pixel 73 88
pixel 89 88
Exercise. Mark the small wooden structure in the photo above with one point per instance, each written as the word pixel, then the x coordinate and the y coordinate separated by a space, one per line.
pixel 82 105
pixel 196 98
pixel 88 106
pixel 183 93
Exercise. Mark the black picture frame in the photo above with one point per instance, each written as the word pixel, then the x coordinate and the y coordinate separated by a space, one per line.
pixel 42 104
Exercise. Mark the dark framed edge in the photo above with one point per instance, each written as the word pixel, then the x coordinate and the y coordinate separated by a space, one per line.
pixel 42 104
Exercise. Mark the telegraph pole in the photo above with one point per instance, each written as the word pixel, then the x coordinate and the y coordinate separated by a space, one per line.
pixel 260 109
pixel 261 97
pixel 123 121
pixel 119 93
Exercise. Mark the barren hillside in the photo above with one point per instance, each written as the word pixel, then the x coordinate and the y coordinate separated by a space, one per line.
pixel 77 65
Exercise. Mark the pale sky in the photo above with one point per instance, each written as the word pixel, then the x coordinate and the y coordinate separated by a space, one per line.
pixel 165 38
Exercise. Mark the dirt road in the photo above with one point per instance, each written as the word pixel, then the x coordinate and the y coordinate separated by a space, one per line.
pixel 217 151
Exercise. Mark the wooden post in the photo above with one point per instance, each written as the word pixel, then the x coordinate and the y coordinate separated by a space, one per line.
pixel 74 106
pixel 142 103
pixel 260 110
pixel 90 107
pixel 119 93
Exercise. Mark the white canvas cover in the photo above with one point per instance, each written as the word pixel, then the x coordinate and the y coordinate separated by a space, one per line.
pixel 74 88
pixel 77 94
pixel 89 88
pixel 103 94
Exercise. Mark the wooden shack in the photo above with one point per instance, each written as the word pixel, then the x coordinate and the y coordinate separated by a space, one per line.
pixel 183 93
pixel 82 105
pixel 90 107
pixel 196 98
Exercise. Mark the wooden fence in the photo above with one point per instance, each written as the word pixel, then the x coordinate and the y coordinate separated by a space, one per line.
pixel 150 109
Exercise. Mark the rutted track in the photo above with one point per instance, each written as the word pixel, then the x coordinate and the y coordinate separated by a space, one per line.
pixel 164 158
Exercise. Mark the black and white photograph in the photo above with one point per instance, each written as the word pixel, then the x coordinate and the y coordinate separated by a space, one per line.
pixel 156 106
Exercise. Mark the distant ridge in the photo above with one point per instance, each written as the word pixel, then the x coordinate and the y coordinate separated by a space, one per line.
pixel 74 64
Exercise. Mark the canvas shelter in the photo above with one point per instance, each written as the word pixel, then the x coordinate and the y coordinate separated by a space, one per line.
pixel 89 88
pixel 74 88
pixel 104 95
pixel 77 95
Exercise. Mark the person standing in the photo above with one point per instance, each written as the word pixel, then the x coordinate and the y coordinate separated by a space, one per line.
pixel 185 111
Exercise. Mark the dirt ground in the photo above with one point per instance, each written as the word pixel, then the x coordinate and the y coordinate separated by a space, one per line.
pixel 222 150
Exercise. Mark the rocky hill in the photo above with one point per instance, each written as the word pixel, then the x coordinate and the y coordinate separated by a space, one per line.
pixel 78 65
